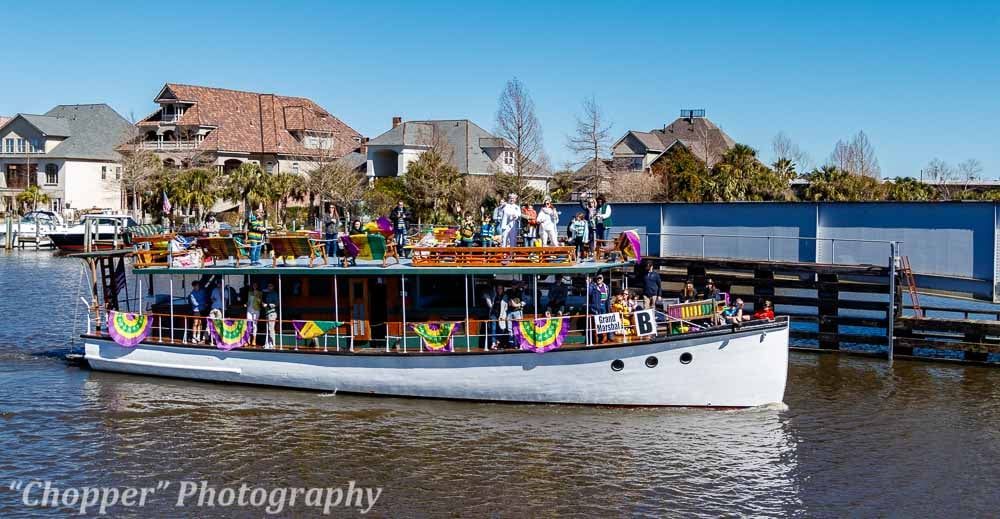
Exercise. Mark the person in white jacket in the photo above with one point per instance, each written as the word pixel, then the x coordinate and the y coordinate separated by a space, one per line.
pixel 510 222
pixel 548 219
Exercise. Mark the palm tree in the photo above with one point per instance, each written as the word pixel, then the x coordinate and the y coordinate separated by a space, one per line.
pixel 33 196
pixel 248 184
pixel 284 186
pixel 197 189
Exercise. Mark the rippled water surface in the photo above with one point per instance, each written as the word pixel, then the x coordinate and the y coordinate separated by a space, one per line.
pixel 856 437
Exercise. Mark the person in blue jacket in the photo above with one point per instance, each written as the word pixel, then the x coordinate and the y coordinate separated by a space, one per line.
pixel 598 302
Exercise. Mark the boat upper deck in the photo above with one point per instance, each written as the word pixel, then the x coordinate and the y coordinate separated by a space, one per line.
pixel 374 268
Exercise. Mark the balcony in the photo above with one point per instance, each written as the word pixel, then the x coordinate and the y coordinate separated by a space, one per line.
pixel 168 145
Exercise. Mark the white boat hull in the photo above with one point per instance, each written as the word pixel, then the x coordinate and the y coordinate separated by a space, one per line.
pixel 742 369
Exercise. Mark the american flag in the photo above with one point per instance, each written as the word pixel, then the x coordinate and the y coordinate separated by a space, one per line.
pixel 166 204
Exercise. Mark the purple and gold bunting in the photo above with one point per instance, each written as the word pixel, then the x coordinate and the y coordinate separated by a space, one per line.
pixel 437 337
pixel 228 334
pixel 128 329
pixel 311 329
pixel 541 335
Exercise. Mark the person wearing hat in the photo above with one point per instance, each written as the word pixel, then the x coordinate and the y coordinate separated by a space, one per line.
pixel 711 291
pixel 557 296
pixel 548 219
pixel 599 302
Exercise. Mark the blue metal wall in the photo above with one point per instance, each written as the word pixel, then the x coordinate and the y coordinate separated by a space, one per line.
pixel 951 245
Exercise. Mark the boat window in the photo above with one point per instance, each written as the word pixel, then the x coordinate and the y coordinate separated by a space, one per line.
pixel 686 358
pixel 617 365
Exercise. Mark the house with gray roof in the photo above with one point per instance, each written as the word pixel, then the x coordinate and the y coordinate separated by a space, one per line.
pixel 470 148
pixel 639 151
pixel 69 152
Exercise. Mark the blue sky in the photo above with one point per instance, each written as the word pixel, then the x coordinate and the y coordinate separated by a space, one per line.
pixel 921 79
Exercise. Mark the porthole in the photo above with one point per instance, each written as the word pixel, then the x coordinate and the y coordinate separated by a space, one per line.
pixel 652 362
pixel 686 358
pixel 617 365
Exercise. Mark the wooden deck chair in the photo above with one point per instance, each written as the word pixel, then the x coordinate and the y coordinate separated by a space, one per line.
pixel 383 247
pixel 223 248
pixel 295 246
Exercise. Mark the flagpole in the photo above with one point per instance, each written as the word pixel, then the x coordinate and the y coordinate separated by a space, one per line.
pixel 280 316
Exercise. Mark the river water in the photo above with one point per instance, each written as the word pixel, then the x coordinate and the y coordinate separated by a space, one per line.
pixel 855 437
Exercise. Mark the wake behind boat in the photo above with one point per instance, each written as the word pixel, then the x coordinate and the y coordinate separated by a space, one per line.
pixel 429 328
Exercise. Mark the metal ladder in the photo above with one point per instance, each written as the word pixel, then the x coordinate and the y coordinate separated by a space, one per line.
pixel 911 285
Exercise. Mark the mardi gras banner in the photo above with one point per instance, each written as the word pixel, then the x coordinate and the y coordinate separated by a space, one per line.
pixel 128 329
pixel 436 336
pixel 230 333
pixel 313 329
pixel 630 245
pixel 541 335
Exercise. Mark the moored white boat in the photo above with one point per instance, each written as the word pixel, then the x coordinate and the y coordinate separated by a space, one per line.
pixel 716 368
pixel 401 330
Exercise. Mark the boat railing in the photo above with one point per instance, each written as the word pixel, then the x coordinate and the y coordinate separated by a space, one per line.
pixel 465 335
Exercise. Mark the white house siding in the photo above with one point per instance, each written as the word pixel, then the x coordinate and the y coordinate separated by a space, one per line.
pixel 84 188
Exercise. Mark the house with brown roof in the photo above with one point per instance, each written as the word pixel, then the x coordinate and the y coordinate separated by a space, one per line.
pixel 639 151
pixel 225 128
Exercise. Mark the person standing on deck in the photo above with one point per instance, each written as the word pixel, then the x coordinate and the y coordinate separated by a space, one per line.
pixel 199 305
pixel 218 310
pixel 400 218
pixel 486 231
pixel 602 220
pixel 548 219
pixel 496 302
pixel 254 302
pixel 510 222
pixel 651 286
pixel 579 230
pixel 590 213
pixel 558 294
pixel 598 302
pixel 270 307
pixel 256 232
pixel 331 224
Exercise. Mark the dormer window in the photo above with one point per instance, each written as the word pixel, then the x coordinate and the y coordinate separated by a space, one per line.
pixel 317 141
pixel 172 113
pixel 508 157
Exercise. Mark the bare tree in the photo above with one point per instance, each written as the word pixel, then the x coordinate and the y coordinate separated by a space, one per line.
pixel 856 157
pixel 140 167
pixel 590 142
pixel 784 149
pixel 517 124
pixel 970 170
pixel 941 173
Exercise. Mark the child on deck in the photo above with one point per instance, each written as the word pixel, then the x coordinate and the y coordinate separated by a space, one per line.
pixel 579 233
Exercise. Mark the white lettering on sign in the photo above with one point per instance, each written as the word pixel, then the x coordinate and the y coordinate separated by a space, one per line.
pixel 645 322
pixel 608 323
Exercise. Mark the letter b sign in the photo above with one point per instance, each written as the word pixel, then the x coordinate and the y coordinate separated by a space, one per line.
pixel 645 322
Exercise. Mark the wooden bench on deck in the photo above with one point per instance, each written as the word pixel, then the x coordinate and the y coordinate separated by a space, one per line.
pixel 223 248
pixel 493 256
pixel 297 245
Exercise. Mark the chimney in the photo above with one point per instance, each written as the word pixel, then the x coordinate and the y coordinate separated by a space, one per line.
pixel 363 149
pixel 396 121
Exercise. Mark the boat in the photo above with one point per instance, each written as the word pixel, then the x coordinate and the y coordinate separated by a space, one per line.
pixel 35 226
pixel 107 231
pixel 415 329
